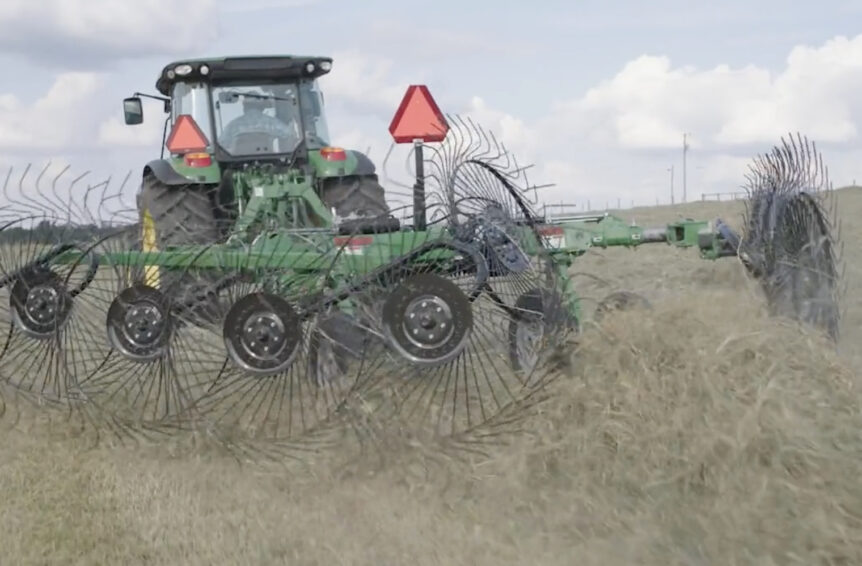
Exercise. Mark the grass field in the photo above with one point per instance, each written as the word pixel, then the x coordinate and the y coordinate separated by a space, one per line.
pixel 703 433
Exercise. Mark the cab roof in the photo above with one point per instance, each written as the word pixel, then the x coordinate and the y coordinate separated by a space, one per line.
pixel 243 67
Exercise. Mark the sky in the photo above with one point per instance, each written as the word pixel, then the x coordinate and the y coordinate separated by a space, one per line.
pixel 595 94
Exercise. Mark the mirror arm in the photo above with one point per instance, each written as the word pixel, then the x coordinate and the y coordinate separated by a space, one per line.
pixel 166 101
pixel 162 98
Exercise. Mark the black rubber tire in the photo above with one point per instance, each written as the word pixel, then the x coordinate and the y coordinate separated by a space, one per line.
pixel 531 306
pixel 183 215
pixel 360 195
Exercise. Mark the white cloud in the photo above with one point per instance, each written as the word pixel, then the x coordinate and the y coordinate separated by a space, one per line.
pixel 232 6
pixel 619 138
pixel 435 43
pixel 84 33
pixel 52 122
pixel 364 83
pixel 115 132
pixel 649 103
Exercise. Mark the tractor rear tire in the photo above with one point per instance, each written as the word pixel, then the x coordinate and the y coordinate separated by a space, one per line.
pixel 360 195
pixel 182 215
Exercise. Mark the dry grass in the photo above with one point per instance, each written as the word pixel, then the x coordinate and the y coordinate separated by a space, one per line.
pixel 704 433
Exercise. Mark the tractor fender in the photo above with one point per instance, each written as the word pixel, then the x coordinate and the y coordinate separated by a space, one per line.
pixel 165 173
pixel 364 165
pixel 356 165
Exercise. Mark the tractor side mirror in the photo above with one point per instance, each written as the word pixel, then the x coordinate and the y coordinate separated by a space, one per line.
pixel 133 111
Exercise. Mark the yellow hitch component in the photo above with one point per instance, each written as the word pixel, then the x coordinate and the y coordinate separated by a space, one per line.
pixel 148 244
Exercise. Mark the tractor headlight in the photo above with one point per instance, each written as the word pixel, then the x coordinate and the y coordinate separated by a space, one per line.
pixel 183 70
pixel 325 66
pixel 309 67
pixel 205 69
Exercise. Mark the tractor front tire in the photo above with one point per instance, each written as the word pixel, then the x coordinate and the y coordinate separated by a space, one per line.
pixel 177 216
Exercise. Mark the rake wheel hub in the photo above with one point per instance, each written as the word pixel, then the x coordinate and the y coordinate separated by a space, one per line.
pixel 427 319
pixel 139 323
pixel 40 303
pixel 143 323
pixel 262 334
pixel 428 322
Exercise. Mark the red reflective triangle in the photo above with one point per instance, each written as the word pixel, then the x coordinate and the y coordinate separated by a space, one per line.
pixel 186 136
pixel 418 117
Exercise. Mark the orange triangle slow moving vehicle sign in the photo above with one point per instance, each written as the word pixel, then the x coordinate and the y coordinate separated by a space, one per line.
pixel 186 136
pixel 418 118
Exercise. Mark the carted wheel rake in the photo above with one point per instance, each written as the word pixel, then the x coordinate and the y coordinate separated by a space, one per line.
pixel 268 297
pixel 445 330
pixel 284 333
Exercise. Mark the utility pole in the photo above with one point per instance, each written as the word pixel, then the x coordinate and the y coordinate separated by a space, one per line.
pixel 684 152
pixel 671 184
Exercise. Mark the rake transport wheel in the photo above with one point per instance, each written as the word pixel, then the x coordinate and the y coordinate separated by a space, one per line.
pixel 336 340
pixel 40 314
pixel 538 318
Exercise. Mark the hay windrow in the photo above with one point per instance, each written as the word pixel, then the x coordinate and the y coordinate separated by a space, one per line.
pixel 705 424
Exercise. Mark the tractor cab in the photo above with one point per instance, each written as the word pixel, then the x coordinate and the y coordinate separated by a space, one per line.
pixel 251 134
pixel 241 109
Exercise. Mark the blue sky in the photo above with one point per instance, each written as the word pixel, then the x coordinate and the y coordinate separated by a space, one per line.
pixel 596 94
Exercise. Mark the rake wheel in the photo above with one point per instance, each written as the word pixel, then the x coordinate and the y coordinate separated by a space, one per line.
pixel 262 333
pixel 139 323
pixel 791 241
pixel 40 303
pixel 427 319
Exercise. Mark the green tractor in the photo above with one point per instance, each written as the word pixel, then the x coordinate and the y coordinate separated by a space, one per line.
pixel 249 148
